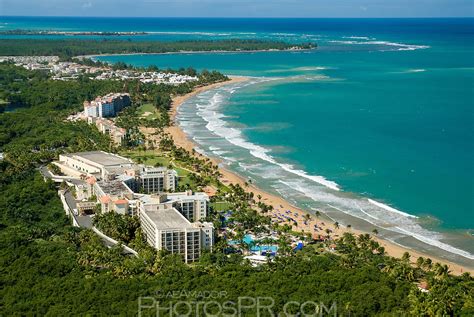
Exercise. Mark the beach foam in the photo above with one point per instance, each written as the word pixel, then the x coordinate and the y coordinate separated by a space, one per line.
pixel 376 203
pixel 384 217
pixel 357 37
pixel 416 70
pixel 437 243
pixel 296 183
pixel 399 46
pixel 217 125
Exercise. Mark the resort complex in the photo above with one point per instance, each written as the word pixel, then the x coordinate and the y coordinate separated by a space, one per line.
pixel 101 112
pixel 171 221
pixel 234 167
pixel 107 106
pixel 107 126
pixel 62 70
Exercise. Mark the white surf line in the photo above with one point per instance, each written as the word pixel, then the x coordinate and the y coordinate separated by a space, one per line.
pixel 388 208
pixel 438 244
pixel 350 214
pixel 234 136
pixel 397 229
pixel 400 46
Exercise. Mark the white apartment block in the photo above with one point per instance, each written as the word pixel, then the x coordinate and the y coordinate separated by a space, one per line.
pixel 106 106
pixel 166 228
pixel 153 180
pixel 191 205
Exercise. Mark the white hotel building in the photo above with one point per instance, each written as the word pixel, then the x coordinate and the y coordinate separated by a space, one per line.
pixel 152 180
pixel 166 228
pixel 171 221
pixel 107 106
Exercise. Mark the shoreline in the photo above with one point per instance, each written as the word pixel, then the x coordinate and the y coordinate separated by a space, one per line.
pixel 198 52
pixel 392 249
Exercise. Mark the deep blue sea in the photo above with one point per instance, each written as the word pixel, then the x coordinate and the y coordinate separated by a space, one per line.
pixel 375 127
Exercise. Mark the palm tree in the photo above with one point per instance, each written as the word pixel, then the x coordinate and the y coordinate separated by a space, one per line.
pixel 381 250
pixel 428 264
pixel 466 276
pixel 375 231
pixel 318 213
pixel 420 261
pixel 406 257
pixel 336 225
pixel 328 231
pixel 441 270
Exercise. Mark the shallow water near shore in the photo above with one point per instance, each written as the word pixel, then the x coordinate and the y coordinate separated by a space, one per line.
pixel 375 128
pixel 218 135
pixel 375 136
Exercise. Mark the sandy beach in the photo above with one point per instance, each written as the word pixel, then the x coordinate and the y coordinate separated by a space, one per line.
pixel 315 226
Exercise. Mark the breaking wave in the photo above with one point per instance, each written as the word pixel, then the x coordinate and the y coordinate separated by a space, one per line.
pixel 218 126
pixel 397 46
pixel 325 194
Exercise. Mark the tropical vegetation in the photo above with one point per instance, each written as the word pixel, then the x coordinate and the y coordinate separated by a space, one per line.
pixel 50 268
pixel 73 47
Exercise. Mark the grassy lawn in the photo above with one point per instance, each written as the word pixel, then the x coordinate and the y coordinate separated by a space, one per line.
pixel 152 112
pixel 148 157
pixel 221 206
pixel 153 158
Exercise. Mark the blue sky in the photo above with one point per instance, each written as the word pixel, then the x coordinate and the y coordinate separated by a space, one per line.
pixel 240 8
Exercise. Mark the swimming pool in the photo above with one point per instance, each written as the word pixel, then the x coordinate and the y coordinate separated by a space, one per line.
pixel 256 248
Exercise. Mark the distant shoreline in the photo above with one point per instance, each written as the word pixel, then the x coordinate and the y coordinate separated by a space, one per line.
pixel 181 139
pixel 71 33
pixel 197 52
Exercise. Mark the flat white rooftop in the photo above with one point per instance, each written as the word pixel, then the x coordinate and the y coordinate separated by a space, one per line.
pixel 102 158
pixel 173 197
pixel 186 196
pixel 166 219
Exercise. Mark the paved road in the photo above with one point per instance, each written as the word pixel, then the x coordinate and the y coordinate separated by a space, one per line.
pixel 82 221
pixel 58 179
pixel 86 222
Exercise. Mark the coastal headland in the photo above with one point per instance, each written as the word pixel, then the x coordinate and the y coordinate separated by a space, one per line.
pixel 280 204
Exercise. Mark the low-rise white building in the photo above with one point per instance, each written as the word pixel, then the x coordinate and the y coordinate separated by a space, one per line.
pixel 106 126
pixel 99 164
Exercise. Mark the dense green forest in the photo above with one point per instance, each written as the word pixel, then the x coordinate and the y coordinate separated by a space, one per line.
pixel 74 47
pixel 48 267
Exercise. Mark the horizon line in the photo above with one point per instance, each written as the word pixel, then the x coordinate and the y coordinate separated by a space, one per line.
pixel 227 17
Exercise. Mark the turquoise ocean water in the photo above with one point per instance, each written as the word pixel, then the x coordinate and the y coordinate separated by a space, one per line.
pixel 375 128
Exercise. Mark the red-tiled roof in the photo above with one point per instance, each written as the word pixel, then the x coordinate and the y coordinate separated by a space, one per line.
pixel 105 199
